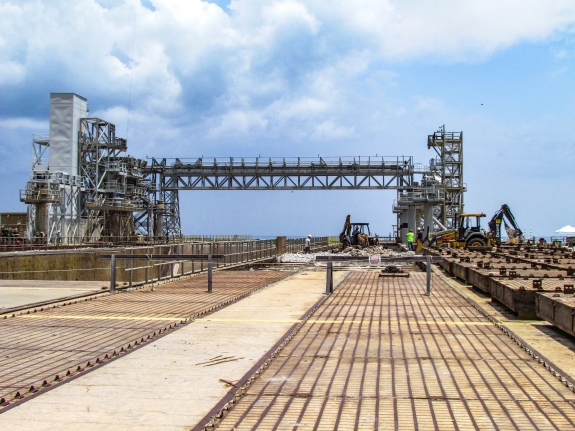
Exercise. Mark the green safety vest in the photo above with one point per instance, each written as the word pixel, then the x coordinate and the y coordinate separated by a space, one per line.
pixel 409 236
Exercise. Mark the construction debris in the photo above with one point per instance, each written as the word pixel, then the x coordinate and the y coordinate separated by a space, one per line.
pixel 392 269
pixel 376 250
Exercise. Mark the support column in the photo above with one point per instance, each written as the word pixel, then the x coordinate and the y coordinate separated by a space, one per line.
pixel 427 219
pixel 41 218
pixel 411 217
pixel 403 219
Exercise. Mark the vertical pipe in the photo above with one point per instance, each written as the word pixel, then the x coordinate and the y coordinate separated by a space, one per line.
pixel 113 273
pixel 428 265
pixel 210 273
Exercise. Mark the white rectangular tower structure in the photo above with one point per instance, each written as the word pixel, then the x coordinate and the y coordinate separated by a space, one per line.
pixel 66 110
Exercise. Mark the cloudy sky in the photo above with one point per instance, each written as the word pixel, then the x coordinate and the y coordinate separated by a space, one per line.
pixel 189 78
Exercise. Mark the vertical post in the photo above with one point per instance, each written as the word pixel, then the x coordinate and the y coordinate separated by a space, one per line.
pixel 159 264
pixel 428 265
pixel 131 276
pixel 113 273
pixel 182 263
pixel 172 249
pixel 329 277
pixel 147 266
pixel 210 273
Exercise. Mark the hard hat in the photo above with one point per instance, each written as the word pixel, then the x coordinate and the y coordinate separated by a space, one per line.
pixel 309 236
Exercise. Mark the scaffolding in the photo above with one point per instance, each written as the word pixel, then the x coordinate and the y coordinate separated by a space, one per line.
pixel 81 185
pixel 52 197
pixel 442 185
pixel 114 188
pixel 448 169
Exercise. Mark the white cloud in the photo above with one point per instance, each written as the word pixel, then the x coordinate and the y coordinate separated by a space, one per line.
pixel 24 123
pixel 11 73
pixel 236 123
pixel 329 130
pixel 455 29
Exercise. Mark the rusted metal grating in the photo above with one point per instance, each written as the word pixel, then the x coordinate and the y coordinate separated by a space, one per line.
pixel 379 354
pixel 46 343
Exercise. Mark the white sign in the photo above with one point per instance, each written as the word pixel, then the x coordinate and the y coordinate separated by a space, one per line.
pixel 374 260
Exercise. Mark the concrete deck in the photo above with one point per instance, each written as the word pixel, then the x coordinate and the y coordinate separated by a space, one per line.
pixel 379 354
pixel 172 383
pixel 548 340
pixel 14 293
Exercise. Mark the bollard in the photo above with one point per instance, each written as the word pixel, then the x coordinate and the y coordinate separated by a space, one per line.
pixel 428 265
pixel 329 277
pixel 113 273
pixel 210 273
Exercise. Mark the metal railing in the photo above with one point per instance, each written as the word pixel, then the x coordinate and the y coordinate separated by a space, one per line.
pixel 295 245
pixel 17 243
pixel 234 253
pixel 212 238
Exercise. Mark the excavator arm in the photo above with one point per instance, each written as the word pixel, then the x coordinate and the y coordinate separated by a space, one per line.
pixel 504 215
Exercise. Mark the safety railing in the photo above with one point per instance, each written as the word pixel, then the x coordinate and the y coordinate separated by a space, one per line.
pixel 295 245
pixel 67 266
pixel 41 242
pixel 233 253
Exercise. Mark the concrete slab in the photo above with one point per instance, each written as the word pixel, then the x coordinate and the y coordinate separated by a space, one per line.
pixel 174 382
pixel 14 293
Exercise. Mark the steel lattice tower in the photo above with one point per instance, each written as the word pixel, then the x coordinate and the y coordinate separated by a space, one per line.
pixel 448 168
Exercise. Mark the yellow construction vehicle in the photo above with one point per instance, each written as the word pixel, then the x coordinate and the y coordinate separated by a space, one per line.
pixel 467 233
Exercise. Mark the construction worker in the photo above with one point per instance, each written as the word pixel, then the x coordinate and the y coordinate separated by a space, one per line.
pixel 353 239
pixel 409 237
pixel 307 246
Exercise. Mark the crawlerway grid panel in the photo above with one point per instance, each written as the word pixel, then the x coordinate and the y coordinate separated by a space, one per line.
pixel 50 342
pixel 379 354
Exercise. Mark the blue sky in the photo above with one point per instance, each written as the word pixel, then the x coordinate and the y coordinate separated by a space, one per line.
pixel 301 78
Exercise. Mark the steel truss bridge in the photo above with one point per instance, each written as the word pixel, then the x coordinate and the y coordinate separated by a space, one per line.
pixel 340 173
pixel 166 177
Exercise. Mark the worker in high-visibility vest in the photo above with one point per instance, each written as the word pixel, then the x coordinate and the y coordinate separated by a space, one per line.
pixel 409 236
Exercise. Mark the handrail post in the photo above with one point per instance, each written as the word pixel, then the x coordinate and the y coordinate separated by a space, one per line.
pixel 428 266
pixel 131 279
pixel 113 273
pixel 210 273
